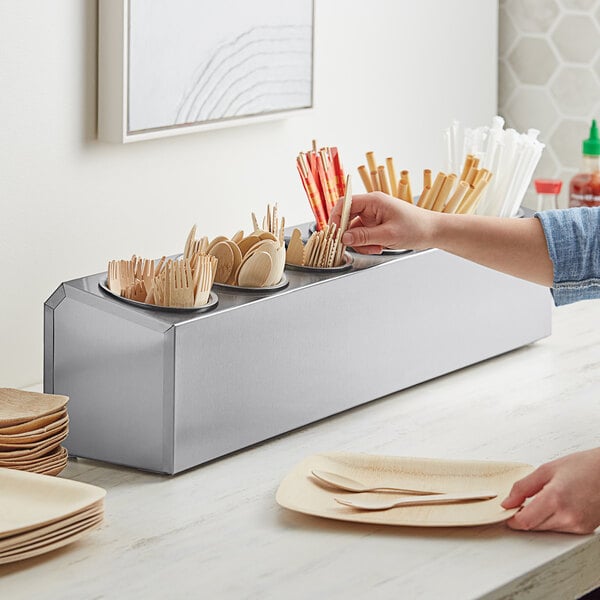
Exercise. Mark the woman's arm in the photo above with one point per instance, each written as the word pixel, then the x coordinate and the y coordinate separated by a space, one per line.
pixel 514 246
pixel 559 248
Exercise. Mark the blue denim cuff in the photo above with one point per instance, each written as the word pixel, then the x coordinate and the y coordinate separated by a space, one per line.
pixel 573 239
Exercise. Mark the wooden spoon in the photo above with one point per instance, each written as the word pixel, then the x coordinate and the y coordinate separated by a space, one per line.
pixel 415 500
pixel 268 246
pixel 255 270
pixel 219 238
pixel 295 249
pixel 238 236
pixel 278 266
pixel 267 235
pixel 350 485
pixel 246 243
pixel 237 261
pixel 223 252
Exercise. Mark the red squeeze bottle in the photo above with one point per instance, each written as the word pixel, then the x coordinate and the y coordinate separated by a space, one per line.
pixel 584 189
pixel 547 189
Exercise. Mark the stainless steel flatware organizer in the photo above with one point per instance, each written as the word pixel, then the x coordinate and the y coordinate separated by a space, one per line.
pixel 166 391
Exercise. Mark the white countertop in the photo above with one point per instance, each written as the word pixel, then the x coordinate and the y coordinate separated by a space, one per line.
pixel 216 531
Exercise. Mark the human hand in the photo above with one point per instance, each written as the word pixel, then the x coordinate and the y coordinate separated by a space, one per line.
pixel 566 495
pixel 380 221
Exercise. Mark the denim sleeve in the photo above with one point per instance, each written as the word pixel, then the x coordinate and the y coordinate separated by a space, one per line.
pixel 573 238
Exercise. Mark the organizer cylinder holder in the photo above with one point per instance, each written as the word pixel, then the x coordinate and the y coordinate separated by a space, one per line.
pixel 166 391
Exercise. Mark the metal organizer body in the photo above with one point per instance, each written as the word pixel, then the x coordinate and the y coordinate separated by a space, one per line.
pixel 166 392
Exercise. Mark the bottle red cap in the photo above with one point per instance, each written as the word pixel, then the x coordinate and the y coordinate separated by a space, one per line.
pixel 548 186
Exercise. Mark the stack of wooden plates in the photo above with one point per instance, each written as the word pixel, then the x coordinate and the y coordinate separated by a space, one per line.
pixel 32 427
pixel 39 513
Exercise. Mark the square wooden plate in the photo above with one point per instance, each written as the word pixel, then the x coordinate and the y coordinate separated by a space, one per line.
pixel 18 406
pixel 42 533
pixel 52 543
pixel 301 492
pixel 30 500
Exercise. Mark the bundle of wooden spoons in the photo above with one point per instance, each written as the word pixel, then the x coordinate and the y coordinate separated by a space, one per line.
pixel 255 260
pixel 184 283
pixel 324 248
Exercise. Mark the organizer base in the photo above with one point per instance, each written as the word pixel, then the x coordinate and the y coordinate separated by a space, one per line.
pixel 166 392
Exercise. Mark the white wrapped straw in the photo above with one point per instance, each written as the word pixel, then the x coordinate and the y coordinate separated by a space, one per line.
pixel 531 156
pixel 511 158
pixel 454 147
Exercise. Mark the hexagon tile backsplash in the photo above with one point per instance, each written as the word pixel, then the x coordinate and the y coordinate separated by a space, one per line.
pixel 549 78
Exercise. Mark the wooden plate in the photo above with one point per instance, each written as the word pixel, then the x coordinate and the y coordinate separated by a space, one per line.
pixel 54 543
pixel 43 469
pixel 28 437
pixel 50 538
pixel 46 423
pixel 41 449
pixel 51 464
pixel 42 533
pixel 53 471
pixel 17 406
pixel 301 492
pixel 21 442
pixel 30 500
pixel 25 463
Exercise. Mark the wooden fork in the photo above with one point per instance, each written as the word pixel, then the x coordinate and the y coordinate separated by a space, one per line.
pixel 114 281
pixel 182 284
pixel 136 292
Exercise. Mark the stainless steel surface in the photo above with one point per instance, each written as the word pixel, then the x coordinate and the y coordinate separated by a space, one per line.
pixel 283 282
pixel 213 300
pixel 395 251
pixel 166 392
pixel 346 266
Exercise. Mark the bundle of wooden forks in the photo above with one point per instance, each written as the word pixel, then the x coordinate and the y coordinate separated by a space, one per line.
pixel 184 283
pixel 324 248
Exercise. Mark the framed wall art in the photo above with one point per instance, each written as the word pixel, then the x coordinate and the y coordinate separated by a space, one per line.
pixel 168 67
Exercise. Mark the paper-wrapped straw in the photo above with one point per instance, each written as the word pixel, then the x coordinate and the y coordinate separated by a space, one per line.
pixel 427 178
pixel 403 192
pixel 389 161
pixel 371 162
pixel 424 197
pixel 454 147
pixel 510 156
pixel 375 181
pixel 461 189
pixel 313 196
pixel 366 178
pixel 528 161
pixel 442 197
pixel 323 180
pixel 340 176
pixel 383 184
pixel 405 178
pixel 435 190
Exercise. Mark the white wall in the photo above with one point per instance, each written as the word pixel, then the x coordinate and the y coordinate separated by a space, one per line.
pixel 390 75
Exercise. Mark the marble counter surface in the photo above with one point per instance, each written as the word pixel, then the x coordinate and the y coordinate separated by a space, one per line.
pixel 216 531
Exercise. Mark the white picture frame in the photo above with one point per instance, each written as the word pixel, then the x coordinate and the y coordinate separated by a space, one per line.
pixel 172 67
